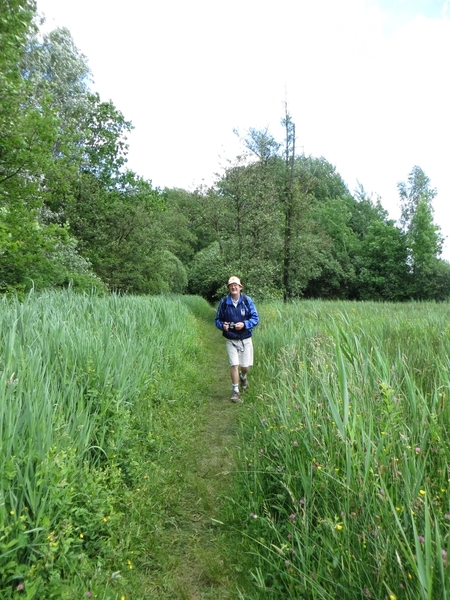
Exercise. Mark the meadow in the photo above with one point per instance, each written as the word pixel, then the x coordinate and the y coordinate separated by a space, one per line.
pixel 347 451
pixel 89 389
pixel 340 475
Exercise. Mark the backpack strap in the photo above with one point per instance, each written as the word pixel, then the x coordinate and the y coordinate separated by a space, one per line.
pixel 246 302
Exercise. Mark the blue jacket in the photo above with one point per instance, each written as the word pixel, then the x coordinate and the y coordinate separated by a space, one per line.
pixel 245 312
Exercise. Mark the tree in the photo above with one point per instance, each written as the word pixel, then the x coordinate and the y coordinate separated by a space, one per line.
pixel 26 136
pixel 424 240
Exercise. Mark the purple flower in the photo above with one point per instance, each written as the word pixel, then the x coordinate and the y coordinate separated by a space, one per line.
pixel 421 539
pixel 417 450
pixel 444 554
pixel 20 587
pixel 302 501
pixel 88 594
pixel 447 516
pixel 292 517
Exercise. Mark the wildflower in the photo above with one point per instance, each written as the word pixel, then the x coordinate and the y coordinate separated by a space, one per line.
pixel 292 516
pixel 81 535
pixel 20 587
pixel 367 592
pixel 339 527
pixel 421 539
pixel 447 516
pixel 295 443
pixel 253 516
pixel 392 597
pixel 88 594
pixel 302 501
pixel 422 492
pixel 417 450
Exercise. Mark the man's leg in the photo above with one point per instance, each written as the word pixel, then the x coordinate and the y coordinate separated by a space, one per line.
pixel 235 375
pixel 234 369
pixel 243 377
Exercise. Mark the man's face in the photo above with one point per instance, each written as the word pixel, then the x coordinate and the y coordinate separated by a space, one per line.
pixel 234 289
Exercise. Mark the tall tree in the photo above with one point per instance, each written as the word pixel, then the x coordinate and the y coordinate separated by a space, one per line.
pixel 27 133
pixel 288 199
pixel 424 240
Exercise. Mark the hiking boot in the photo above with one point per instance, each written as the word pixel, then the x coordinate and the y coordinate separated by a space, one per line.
pixel 244 382
pixel 236 397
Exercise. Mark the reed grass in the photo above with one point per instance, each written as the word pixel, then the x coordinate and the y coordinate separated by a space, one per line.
pixel 80 379
pixel 347 451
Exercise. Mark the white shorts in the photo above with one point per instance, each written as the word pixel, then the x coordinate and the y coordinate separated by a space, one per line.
pixel 240 352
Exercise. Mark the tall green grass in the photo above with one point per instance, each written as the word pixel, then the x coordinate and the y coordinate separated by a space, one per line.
pixel 80 380
pixel 347 448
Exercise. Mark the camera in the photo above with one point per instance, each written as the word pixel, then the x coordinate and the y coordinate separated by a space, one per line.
pixel 231 325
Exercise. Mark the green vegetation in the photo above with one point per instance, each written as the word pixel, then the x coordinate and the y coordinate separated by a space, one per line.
pixel 127 473
pixel 72 214
pixel 348 452
pixel 102 482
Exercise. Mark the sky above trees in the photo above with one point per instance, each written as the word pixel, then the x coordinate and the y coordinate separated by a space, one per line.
pixel 365 82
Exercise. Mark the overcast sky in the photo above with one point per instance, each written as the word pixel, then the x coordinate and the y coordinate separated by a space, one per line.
pixel 366 82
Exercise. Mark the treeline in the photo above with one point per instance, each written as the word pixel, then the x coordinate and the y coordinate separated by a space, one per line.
pixel 73 214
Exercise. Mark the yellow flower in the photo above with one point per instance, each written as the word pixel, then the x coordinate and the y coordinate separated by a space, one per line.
pixel 392 597
pixel 81 535
pixel 339 527
pixel 422 492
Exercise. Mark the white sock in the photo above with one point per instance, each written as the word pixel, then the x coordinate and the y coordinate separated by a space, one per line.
pixel 236 387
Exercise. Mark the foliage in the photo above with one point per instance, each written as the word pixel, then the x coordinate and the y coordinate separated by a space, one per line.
pixel 31 247
pixel 81 378
pixel 72 213
pixel 345 491
pixel 423 237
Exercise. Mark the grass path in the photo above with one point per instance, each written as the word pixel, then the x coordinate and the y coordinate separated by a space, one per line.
pixel 195 554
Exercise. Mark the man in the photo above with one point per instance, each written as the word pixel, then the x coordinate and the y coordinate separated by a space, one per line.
pixel 236 316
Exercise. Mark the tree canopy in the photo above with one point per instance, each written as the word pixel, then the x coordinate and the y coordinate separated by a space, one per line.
pixel 73 213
